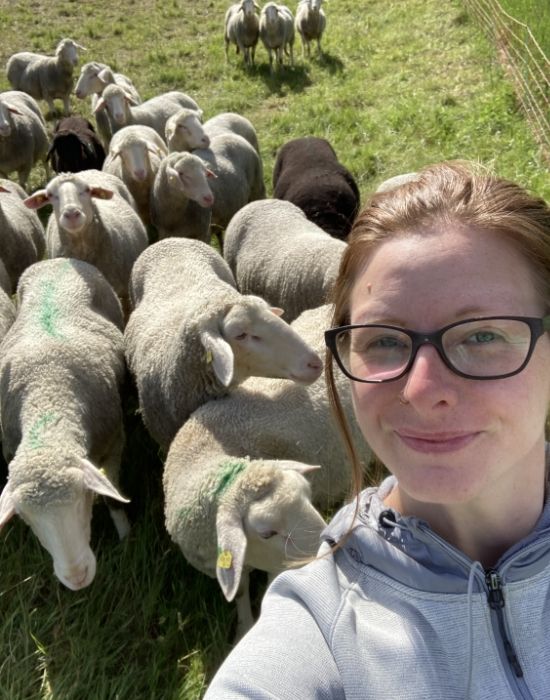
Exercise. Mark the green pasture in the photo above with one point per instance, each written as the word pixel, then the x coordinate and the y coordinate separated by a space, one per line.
pixel 401 83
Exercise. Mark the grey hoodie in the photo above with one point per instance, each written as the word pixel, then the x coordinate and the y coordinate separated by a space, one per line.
pixel 397 613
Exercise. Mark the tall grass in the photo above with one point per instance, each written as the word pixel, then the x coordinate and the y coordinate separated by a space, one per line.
pixel 534 13
pixel 400 84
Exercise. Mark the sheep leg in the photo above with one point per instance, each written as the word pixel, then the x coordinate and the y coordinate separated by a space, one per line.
pixel 245 620
pixel 66 105
pixel 319 47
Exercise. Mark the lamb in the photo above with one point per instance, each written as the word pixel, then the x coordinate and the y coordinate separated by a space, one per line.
pixel 94 78
pixel 23 136
pixel 396 181
pixel 273 419
pixel 242 28
pixel 75 146
pixel 22 240
pixel 46 77
pixel 181 198
pixel 230 515
pixel 185 131
pixel 277 32
pixel 239 175
pixel 192 336
pixel 123 110
pixel 310 23
pixel 134 156
pixel 276 253
pixel 92 221
pixel 308 174
pixel 61 366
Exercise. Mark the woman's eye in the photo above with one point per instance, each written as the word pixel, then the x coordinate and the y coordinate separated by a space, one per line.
pixel 482 337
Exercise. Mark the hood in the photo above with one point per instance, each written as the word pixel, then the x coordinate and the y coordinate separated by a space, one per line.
pixel 408 551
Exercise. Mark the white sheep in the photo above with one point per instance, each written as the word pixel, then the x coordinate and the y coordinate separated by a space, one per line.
pixel 123 110
pixel 186 132
pixel 242 27
pixel 22 240
pixel 135 153
pixel 231 515
pixel 91 221
pixel 396 181
pixel 23 137
pixel 192 336
pixel 274 251
pixel 61 366
pixel 310 23
pixel 46 77
pixel 181 198
pixel 269 418
pixel 277 32
pixel 94 78
pixel 238 171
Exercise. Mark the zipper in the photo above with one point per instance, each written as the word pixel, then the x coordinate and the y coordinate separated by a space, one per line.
pixel 496 601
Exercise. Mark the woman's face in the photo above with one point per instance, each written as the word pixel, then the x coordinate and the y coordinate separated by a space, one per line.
pixel 457 439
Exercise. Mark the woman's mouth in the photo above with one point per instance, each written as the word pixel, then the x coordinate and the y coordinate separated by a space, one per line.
pixel 437 443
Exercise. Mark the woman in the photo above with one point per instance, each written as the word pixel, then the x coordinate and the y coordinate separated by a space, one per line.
pixel 435 584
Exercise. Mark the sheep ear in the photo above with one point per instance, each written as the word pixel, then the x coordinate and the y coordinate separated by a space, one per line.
pixel 78 46
pixel 14 110
pixel 173 175
pixel 37 200
pixel 101 193
pixel 277 311
pixel 297 466
pixel 7 505
pixel 231 552
pixel 200 114
pixel 3 189
pixel 102 75
pixel 210 173
pixel 220 355
pixel 130 100
pixel 96 481
pixel 101 104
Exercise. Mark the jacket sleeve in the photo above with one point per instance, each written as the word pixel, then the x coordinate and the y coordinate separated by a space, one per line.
pixel 286 655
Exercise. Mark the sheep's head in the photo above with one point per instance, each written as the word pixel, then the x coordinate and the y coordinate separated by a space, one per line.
pixel 249 7
pixel 67 50
pixel 89 81
pixel 184 131
pixel 189 173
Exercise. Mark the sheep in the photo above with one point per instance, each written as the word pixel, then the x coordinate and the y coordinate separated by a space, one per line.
pixel 192 336
pixel 273 419
pixel 75 146
pixel 277 32
pixel 396 181
pixel 134 156
pixel 310 23
pixel 181 198
pixel 46 77
pixel 61 367
pixel 94 78
pixel 308 173
pixel 23 136
pixel 186 132
pixel 238 172
pixel 242 28
pixel 92 221
pixel 230 515
pixel 22 240
pixel 123 110
pixel 275 252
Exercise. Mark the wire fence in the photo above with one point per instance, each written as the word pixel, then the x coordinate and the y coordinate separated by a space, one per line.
pixel 525 61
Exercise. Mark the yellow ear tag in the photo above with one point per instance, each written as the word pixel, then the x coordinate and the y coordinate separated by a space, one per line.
pixel 225 559
pixel 209 357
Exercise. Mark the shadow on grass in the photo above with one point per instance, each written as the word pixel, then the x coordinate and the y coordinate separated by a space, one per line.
pixel 293 79
pixel 332 64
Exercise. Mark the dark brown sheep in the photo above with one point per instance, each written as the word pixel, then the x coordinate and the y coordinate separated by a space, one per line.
pixel 75 146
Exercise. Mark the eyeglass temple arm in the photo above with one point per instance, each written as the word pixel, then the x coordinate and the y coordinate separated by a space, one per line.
pixel 546 323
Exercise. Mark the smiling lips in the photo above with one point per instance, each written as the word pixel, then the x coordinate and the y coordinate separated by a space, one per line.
pixel 437 443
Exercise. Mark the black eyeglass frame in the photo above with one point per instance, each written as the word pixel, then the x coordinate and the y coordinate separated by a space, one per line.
pixel 537 326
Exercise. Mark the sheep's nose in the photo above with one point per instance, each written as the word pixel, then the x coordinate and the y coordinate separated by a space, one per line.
pixel 140 174
pixel 208 200
pixel 206 142
pixel 78 93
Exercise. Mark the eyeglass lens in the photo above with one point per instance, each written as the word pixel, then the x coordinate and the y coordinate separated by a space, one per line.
pixel 479 348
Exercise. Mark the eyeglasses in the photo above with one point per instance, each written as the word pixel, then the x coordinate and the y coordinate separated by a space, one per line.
pixel 477 348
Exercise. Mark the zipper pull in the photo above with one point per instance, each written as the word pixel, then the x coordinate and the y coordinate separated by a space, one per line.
pixel 495 596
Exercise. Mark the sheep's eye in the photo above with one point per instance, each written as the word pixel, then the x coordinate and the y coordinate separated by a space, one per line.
pixel 268 534
pixel 255 337
pixel 241 336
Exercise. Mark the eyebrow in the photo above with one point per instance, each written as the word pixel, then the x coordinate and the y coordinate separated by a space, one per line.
pixel 462 314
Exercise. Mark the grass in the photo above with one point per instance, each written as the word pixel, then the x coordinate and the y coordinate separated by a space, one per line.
pixel 400 84
pixel 536 15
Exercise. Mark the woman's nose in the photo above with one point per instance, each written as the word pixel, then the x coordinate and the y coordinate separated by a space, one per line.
pixel 429 381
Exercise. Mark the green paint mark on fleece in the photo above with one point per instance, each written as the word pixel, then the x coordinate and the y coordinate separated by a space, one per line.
pixel 36 434
pixel 229 471
pixel 48 312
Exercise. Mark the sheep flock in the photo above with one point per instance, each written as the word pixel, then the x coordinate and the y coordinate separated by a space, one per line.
pixel 164 272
